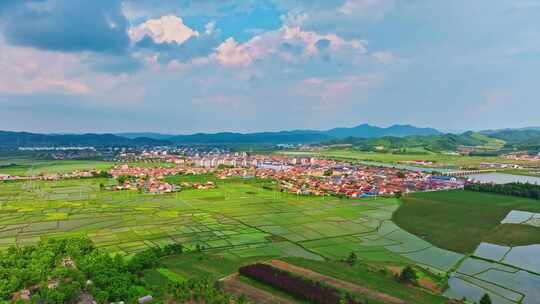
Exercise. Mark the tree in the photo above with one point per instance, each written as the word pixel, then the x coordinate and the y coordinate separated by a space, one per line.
pixel 101 174
pixel 351 259
pixel 122 179
pixel 408 275
pixel 485 299
pixel 242 299
pixel 173 249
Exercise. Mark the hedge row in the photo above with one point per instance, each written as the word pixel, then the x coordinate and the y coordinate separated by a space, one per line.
pixel 514 189
pixel 298 286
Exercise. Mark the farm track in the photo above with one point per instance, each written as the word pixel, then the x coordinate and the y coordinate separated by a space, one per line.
pixel 353 288
pixel 234 286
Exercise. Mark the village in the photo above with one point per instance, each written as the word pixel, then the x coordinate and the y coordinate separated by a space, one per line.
pixel 298 175
pixel 147 172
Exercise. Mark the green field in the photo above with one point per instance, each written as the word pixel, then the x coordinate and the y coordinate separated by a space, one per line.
pixel 372 278
pixel 514 235
pixel 30 167
pixel 440 159
pixel 461 220
pixel 238 215
pixel 239 222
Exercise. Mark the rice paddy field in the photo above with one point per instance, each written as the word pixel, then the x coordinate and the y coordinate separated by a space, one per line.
pixel 236 223
pixel 461 220
pixel 239 216
pixel 241 222
pixel 499 236
pixel 439 159
pixel 31 167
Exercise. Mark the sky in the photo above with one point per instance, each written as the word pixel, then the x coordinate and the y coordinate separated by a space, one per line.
pixel 180 66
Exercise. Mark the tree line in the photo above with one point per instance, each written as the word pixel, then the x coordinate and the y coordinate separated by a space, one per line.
pixel 515 189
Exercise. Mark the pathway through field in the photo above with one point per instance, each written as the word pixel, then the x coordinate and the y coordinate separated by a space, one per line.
pixel 337 283
pixel 234 286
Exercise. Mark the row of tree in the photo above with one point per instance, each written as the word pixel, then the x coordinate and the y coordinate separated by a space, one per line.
pixel 296 285
pixel 515 189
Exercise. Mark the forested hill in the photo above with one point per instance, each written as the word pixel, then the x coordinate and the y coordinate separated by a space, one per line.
pixel 364 136
pixel 24 139
pixel 435 143
pixel 523 139
pixel 20 139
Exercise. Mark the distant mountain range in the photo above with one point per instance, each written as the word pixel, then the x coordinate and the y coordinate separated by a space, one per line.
pixel 485 142
pixel 25 139
pixel 396 135
pixel 19 139
pixel 288 137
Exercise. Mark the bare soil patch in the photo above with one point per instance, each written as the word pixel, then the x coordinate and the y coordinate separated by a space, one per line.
pixel 235 287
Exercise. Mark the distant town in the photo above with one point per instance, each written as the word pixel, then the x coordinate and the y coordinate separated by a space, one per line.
pixel 299 175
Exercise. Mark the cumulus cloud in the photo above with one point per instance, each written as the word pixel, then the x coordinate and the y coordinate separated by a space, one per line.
pixel 195 48
pixel 341 17
pixel 231 53
pixel 312 40
pixel 167 29
pixel 289 43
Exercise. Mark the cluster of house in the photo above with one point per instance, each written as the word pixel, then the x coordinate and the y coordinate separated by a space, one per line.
pixel 326 177
pixel 5 177
pixel 301 175
pixel 486 165
pixel 146 184
pixel 152 179
pixel 419 162
pixel 523 156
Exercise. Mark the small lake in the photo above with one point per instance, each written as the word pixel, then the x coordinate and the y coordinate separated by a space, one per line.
pixel 503 178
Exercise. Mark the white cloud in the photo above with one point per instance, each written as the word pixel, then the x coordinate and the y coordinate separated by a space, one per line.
pixel 310 40
pixel 209 28
pixel 231 53
pixel 289 43
pixel 166 29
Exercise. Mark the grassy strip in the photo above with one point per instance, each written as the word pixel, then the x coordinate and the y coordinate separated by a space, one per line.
pixel 378 279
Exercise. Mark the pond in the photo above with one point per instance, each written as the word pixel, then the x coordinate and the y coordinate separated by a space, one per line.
pixel 503 178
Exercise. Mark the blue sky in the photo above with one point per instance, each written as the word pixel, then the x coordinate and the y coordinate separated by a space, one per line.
pixel 182 66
